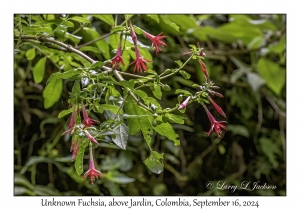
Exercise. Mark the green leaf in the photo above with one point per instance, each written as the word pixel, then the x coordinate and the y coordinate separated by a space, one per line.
pixel 169 23
pixel 184 92
pixel 179 63
pixel 91 49
pixel 52 92
pixel 270 150
pixel 37 29
pixel 90 34
pixel 111 108
pixel 64 75
pixel 73 38
pixel 127 116
pixel 150 100
pixel 255 43
pixel 30 54
pixel 272 73
pixel 80 19
pixel 79 157
pixel 136 125
pixel 157 91
pixel 118 177
pixel 165 129
pixel 153 162
pixel 279 47
pixel 128 84
pixel 185 22
pixel 172 118
pixel 39 70
pixel 121 136
pixel 106 18
pixel 154 17
pixel 138 30
pixel 117 28
pixel 239 129
pixel 114 40
pixel 97 65
pixel 65 112
pixel 185 74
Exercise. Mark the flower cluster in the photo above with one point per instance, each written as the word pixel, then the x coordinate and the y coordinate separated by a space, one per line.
pixel 140 60
pixel 82 128
pixel 207 88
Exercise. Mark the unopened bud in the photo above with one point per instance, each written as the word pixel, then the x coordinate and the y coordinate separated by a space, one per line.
pixel 215 87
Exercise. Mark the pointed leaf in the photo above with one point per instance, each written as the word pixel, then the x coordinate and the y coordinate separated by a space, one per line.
pixel 91 49
pixel 65 112
pixel 30 54
pixel 154 17
pixel 157 91
pixel 39 70
pixel 121 136
pixel 153 162
pixel 65 75
pixel 273 74
pixel 52 93
pixel 185 92
pixel 172 118
pixel 165 129
pixel 80 19
pixel 118 177
pixel 106 18
pixel 79 157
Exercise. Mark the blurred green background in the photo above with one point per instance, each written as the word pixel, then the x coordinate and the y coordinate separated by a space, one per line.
pixel 245 57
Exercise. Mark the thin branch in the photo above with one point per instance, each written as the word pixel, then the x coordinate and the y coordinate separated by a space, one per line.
pixel 66 46
pixel 275 107
pixel 95 40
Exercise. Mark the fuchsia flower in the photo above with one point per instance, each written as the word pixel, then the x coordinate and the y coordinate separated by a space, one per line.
pixel 118 58
pixel 216 106
pixel 203 67
pixel 139 61
pixel 92 172
pixel 216 125
pixel 91 138
pixel 156 41
pixel 133 35
pixel 88 122
pixel 184 104
pixel 72 122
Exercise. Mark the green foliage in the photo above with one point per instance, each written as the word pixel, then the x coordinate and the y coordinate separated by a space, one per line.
pixel 139 128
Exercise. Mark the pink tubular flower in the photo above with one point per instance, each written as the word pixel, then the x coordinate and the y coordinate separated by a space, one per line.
pixel 88 122
pixel 184 104
pixel 118 58
pixel 72 122
pixel 139 61
pixel 216 106
pixel 92 172
pixel 156 41
pixel 133 35
pixel 214 124
pixel 203 67
pixel 91 138
pixel 74 154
